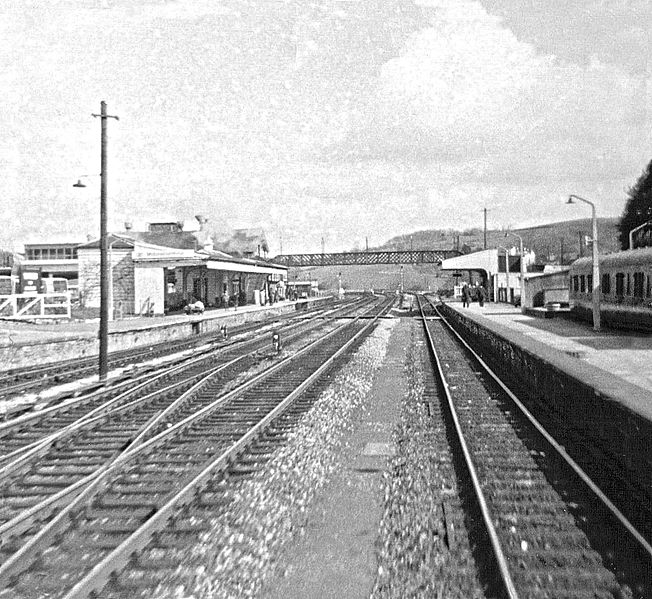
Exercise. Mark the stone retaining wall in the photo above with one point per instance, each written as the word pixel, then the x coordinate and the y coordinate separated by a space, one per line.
pixel 549 391
pixel 32 354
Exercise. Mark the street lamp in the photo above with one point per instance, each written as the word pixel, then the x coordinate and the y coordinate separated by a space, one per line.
pixel 595 292
pixel 521 265
pixel 631 233
pixel 104 246
pixel 500 247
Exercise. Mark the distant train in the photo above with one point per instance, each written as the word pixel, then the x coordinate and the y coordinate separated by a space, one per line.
pixel 625 285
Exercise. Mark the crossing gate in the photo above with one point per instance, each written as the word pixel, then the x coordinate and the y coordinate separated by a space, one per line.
pixel 27 306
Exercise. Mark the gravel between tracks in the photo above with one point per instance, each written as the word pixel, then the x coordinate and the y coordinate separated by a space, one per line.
pixel 271 507
pixel 422 551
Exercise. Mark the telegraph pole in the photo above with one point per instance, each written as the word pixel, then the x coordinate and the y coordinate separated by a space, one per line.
pixel 485 227
pixel 104 248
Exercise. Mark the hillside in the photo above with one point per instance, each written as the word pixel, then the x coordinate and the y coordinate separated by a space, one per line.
pixel 547 241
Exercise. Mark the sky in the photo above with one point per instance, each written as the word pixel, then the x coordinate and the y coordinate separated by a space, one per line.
pixel 334 122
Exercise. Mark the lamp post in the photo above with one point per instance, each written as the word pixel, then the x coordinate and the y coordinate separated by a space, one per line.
pixel 631 233
pixel 500 247
pixel 104 246
pixel 521 265
pixel 595 291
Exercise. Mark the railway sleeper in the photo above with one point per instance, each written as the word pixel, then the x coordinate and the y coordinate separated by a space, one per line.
pixel 136 578
pixel 134 500
pixel 566 581
pixel 133 488
pixel 48 480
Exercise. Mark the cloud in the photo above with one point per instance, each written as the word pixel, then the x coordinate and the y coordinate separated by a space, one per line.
pixel 467 91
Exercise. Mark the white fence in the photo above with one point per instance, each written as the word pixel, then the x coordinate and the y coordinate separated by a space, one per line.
pixel 23 306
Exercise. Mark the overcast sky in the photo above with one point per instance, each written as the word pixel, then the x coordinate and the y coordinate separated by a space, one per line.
pixel 333 119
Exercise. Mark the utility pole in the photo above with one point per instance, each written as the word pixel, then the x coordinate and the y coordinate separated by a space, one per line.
pixel 580 235
pixel 104 248
pixel 485 227
pixel 561 251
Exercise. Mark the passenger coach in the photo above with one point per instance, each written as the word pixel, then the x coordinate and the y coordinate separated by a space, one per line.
pixel 625 285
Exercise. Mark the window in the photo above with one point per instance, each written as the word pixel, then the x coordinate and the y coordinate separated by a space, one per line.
pixel 620 284
pixel 37 254
pixel 649 286
pixel 639 284
pixel 582 284
pixel 629 284
pixel 589 284
pixel 606 284
pixel 576 283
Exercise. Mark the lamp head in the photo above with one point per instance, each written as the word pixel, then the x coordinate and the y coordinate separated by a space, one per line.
pixel 570 200
pixel 79 183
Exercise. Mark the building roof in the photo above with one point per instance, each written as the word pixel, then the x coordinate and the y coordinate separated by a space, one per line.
pixel 121 242
pixel 639 256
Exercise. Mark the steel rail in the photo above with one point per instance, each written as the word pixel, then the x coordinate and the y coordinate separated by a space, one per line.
pixel 640 539
pixel 119 557
pixel 97 480
pixel 182 363
pixel 23 520
pixel 71 366
pixel 499 554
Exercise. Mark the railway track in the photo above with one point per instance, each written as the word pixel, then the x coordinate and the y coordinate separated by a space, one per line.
pixel 118 507
pixel 28 430
pixel 548 529
pixel 89 433
pixel 34 379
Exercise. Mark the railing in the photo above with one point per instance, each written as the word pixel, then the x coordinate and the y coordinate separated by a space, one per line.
pixel 24 306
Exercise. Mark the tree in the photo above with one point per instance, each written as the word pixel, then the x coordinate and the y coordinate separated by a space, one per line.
pixel 638 209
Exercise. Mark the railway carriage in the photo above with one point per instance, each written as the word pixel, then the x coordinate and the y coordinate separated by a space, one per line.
pixel 625 286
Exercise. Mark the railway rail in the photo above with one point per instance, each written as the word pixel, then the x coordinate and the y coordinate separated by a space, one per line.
pixel 119 504
pixel 549 531
pixel 108 423
pixel 33 379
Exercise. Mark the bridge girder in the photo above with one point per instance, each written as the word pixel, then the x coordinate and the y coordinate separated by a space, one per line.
pixel 366 258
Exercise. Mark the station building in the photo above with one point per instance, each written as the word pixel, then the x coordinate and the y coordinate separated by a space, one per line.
pixel 497 272
pixel 163 269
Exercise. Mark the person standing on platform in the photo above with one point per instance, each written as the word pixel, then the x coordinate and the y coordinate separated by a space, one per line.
pixel 466 296
pixel 482 295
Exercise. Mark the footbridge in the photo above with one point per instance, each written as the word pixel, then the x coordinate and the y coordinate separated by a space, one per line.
pixel 366 258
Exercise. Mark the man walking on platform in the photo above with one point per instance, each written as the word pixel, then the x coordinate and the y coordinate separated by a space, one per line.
pixel 466 296
pixel 482 295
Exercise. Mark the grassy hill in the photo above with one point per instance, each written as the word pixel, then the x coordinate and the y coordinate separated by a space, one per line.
pixel 547 241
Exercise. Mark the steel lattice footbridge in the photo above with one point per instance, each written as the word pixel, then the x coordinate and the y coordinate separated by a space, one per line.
pixel 367 258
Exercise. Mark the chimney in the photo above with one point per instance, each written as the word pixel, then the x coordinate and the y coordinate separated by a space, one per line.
pixel 201 220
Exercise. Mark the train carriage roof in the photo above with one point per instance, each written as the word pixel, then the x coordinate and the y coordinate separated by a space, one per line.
pixel 637 257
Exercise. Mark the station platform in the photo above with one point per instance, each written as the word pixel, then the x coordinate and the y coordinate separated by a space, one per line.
pixel 14 332
pixel 615 363
pixel 25 344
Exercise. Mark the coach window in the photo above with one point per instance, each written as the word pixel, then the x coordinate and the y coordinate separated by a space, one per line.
pixel 639 283
pixel 576 283
pixel 606 283
pixel 620 284
pixel 629 284
pixel 582 283
pixel 649 286
pixel 589 284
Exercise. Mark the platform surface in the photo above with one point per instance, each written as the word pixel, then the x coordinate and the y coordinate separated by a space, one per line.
pixel 618 364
